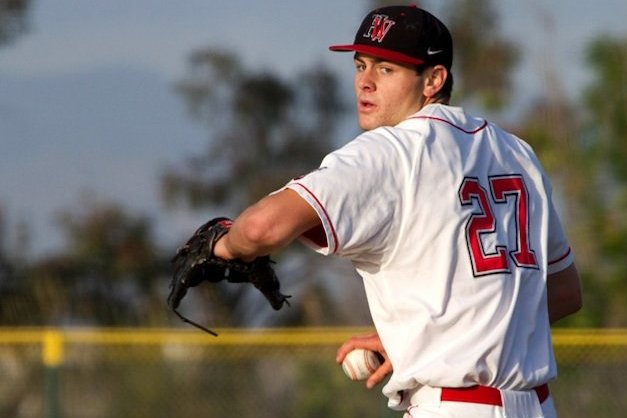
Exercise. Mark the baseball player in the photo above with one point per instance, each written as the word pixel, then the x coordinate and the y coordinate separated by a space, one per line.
pixel 448 219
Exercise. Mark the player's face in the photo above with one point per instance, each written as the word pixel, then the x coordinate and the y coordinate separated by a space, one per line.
pixel 386 92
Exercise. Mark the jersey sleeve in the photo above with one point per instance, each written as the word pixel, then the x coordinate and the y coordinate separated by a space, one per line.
pixel 355 194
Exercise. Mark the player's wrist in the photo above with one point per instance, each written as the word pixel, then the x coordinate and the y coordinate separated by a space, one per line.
pixel 225 249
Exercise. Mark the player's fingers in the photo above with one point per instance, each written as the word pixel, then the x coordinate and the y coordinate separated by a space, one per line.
pixel 368 342
pixel 379 374
pixel 348 346
pixel 343 350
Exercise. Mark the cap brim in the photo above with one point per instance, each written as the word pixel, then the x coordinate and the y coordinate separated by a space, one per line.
pixel 383 53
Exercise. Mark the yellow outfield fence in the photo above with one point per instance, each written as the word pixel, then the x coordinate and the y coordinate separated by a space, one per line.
pixel 154 373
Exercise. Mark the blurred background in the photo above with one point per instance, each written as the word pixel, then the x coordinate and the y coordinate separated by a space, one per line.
pixel 125 125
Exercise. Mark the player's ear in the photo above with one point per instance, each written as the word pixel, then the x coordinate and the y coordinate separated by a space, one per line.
pixel 434 79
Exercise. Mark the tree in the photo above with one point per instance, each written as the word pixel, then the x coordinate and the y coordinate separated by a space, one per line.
pixel 108 273
pixel 605 101
pixel 477 41
pixel 263 129
pixel 12 24
pixel 13 19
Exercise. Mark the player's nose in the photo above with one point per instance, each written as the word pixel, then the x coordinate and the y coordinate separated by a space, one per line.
pixel 365 81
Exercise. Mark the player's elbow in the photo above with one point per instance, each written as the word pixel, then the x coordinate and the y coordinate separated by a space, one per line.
pixel 565 308
pixel 577 303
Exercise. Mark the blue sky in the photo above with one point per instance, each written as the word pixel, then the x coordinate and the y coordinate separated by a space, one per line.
pixel 87 101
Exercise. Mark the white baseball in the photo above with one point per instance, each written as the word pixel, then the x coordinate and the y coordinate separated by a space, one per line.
pixel 359 364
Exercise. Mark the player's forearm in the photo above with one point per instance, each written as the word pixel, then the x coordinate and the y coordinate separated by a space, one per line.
pixel 564 293
pixel 247 238
pixel 270 224
pixel 245 243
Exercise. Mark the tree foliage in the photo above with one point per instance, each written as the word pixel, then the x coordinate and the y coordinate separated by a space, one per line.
pixel 104 275
pixel 605 101
pixel 13 19
pixel 484 58
pixel 263 130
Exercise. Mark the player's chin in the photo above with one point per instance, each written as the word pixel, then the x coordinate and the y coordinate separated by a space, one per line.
pixel 367 122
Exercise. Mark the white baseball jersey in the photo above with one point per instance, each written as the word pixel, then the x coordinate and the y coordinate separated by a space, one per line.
pixel 449 221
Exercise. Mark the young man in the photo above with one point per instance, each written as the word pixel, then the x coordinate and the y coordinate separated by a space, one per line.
pixel 448 220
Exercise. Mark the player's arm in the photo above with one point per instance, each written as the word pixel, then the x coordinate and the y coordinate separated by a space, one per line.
pixel 270 224
pixel 564 293
pixel 370 342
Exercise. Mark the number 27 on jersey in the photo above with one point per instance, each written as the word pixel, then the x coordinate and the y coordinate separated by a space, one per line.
pixel 503 189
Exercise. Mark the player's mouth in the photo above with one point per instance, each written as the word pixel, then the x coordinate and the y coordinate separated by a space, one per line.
pixel 365 106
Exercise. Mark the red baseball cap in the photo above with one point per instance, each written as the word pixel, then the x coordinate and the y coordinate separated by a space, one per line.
pixel 403 34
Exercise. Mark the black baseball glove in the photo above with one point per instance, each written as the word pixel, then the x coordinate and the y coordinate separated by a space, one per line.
pixel 195 262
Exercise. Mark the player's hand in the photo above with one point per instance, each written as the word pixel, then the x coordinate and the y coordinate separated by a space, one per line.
pixel 220 250
pixel 369 342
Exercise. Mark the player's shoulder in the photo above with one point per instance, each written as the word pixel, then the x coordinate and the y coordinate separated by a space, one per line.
pixel 368 146
pixel 381 137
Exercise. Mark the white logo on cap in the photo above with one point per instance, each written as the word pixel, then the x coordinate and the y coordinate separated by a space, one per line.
pixel 431 52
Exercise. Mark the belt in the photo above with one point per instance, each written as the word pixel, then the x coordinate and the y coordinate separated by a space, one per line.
pixel 485 395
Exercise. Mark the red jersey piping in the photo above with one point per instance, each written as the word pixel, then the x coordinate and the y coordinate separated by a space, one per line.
pixel 483 125
pixel 560 258
pixel 326 215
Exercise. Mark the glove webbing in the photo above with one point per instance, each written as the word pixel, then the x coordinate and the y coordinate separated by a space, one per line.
pixel 197 325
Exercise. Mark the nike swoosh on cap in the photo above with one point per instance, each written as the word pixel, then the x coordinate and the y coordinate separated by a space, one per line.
pixel 431 52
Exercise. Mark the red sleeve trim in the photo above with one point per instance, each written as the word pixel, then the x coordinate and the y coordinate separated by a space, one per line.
pixel 324 211
pixel 560 258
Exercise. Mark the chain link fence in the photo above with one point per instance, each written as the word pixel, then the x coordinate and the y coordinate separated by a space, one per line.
pixel 136 373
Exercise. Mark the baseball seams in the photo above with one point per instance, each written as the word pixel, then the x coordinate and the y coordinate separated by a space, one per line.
pixel 359 364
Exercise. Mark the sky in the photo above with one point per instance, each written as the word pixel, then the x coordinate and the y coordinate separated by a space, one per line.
pixel 87 104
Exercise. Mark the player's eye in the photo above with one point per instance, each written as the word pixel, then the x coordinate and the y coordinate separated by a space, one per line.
pixel 360 66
